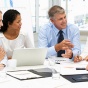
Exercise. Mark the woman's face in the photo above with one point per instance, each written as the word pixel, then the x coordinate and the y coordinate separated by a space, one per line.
pixel 1 24
pixel 16 25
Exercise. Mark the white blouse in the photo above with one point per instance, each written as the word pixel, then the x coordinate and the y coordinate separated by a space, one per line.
pixel 22 41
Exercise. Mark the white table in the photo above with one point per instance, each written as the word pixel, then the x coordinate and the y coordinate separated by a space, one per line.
pixel 11 82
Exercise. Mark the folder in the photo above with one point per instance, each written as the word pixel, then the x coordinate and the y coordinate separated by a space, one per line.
pixel 44 72
pixel 30 74
pixel 76 77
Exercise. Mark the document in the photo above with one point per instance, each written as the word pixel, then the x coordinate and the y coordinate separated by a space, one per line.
pixel 71 68
pixel 62 60
pixel 23 75
pixel 30 74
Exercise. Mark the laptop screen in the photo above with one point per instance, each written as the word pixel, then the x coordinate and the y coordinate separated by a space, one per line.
pixel 30 56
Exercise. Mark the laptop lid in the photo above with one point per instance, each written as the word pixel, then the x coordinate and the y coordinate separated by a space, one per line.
pixel 29 56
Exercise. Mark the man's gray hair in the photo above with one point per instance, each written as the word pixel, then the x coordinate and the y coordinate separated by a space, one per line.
pixel 55 9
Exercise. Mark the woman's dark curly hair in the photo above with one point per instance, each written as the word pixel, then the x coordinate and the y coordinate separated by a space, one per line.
pixel 8 17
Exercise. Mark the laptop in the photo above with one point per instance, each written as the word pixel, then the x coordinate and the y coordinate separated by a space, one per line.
pixel 29 56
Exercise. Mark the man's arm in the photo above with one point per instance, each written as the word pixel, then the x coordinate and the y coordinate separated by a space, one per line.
pixel 44 42
pixel 74 37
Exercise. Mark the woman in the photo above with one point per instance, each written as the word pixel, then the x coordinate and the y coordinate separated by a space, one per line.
pixel 3 58
pixel 11 35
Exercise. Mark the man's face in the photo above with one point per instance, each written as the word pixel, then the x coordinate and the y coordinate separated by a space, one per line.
pixel 1 24
pixel 59 20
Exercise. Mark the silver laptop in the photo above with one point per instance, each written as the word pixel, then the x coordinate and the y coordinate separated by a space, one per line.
pixel 30 56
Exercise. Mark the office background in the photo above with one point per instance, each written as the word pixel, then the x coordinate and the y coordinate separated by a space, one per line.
pixel 76 11
pixel 34 14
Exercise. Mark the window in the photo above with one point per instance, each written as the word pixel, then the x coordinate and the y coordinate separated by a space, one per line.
pixel 77 12
pixel 39 13
pixel 43 8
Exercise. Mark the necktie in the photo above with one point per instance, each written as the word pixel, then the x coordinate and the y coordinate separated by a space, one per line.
pixel 60 38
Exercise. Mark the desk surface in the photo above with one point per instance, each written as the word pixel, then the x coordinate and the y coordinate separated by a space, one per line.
pixel 66 68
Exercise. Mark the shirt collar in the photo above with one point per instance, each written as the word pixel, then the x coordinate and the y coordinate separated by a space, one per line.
pixel 56 30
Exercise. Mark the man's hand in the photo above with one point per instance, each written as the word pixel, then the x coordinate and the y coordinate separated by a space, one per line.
pixel 68 53
pixel 2 53
pixel 64 45
pixel 77 58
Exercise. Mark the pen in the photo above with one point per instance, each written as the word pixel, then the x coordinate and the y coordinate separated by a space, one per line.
pixel 78 56
pixel 80 69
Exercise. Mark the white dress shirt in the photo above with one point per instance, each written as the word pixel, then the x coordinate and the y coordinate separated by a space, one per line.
pixel 48 35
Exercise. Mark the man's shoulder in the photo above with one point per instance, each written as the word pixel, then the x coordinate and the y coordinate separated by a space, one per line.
pixel 72 27
pixel 46 27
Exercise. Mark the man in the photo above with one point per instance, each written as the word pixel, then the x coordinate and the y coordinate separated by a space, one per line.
pixel 49 33
pixel 3 58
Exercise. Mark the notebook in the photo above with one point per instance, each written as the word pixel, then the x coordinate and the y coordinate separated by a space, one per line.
pixel 29 56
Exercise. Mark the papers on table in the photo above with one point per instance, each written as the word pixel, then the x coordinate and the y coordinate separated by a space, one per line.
pixel 70 68
pixel 62 60
pixel 23 75
pixel 31 74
